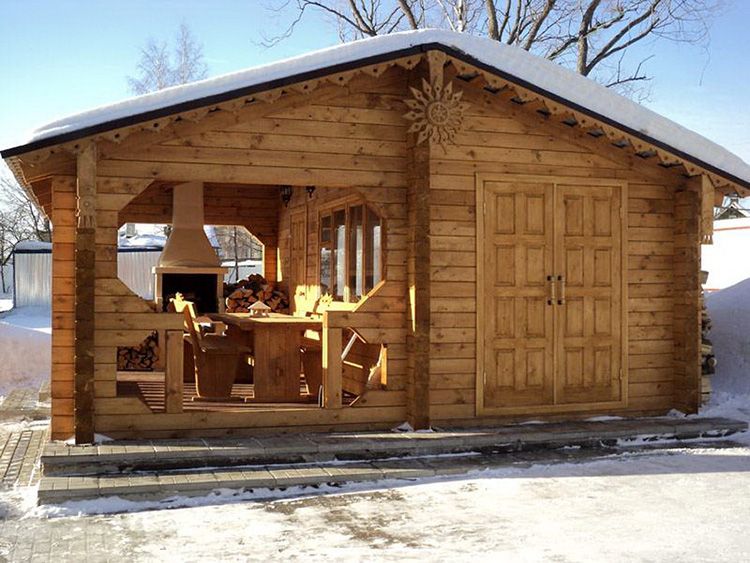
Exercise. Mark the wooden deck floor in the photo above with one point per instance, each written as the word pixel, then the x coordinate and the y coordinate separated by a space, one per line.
pixel 149 387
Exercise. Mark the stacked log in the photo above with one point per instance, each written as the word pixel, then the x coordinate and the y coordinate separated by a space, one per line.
pixel 143 357
pixel 241 295
pixel 708 360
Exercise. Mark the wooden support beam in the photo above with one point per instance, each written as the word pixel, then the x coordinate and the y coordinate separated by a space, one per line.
pixel 85 250
pixel 173 377
pixel 687 300
pixel 418 210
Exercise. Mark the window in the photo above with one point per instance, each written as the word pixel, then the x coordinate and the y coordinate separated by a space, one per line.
pixel 351 256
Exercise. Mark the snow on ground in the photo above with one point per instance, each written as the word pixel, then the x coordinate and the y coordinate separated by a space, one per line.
pixel 729 310
pixel 6 302
pixel 25 348
pixel 663 505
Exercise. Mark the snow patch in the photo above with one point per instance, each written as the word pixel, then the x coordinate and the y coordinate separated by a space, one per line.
pixel 729 310
pixel 25 348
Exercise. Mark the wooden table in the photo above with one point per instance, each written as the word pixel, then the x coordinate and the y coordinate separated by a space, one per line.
pixel 276 342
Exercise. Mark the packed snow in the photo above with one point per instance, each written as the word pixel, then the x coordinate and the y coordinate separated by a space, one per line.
pixel 729 310
pixel 25 348
pixel 522 67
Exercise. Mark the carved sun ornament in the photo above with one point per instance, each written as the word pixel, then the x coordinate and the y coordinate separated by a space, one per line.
pixel 437 112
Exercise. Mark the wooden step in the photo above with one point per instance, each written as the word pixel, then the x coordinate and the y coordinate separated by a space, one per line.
pixel 116 457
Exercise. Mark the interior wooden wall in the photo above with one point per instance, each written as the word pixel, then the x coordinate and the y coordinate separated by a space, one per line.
pixel 390 203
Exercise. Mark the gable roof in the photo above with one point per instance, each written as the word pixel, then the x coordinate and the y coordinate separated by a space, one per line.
pixel 511 63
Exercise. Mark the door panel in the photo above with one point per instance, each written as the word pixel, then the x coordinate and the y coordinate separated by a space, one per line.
pixel 589 320
pixel 518 344
pixel 542 354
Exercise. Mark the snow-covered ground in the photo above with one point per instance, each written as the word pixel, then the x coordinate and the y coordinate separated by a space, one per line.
pixel 25 348
pixel 729 310
pixel 662 504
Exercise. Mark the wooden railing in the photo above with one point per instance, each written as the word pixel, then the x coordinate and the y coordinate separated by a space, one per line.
pixel 130 329
pixel 373 322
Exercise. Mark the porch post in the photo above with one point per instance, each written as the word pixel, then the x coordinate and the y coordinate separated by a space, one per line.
pixel 418 264
pixel 687 301
pixel 85 247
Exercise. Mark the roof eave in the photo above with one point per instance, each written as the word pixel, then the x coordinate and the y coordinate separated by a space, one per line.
pixel 343 67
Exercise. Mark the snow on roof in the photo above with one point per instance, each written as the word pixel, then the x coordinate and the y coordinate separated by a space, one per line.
pixel 517 64
pixel 32 245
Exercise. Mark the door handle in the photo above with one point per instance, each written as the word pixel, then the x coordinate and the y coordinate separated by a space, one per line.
pixel 551 290
pixel 561 280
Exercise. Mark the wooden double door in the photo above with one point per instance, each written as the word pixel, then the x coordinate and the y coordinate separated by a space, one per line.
pixel 550 295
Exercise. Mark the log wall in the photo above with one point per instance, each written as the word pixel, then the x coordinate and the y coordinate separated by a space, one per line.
pixel 351 141
pixel 63 318
pixel 506 139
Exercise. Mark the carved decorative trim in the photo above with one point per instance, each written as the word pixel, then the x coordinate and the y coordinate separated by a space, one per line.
pixel 437 112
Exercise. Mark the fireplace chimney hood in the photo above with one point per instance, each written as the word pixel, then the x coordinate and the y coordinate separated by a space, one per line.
pixel 188 245
pixel 188 264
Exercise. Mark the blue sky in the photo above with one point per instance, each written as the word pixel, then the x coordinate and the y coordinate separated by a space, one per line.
pixel 59 57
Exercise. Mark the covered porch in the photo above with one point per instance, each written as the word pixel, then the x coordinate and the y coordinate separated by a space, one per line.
pixel 323 251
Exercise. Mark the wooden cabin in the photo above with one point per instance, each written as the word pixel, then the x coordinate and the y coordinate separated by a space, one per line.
pixel 476 236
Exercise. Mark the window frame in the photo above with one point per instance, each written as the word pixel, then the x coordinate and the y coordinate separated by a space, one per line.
pixel 328 210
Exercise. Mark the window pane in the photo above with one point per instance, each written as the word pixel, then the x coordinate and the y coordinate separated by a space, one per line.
pixel 325 270
pixel 325 229
pixel 339 234
pixel 356 252
pixel 373 267
pixel 325 254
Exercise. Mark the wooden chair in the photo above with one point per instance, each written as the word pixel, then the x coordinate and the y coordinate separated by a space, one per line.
pixel 359 358
pixel 216 359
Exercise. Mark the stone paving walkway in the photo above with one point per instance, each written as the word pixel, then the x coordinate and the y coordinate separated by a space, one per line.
pixel 22 441
pixel 164 468
pixel 19 456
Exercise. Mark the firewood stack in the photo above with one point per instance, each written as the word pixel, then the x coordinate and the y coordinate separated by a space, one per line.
pixel 241 295
pixel 139 358
pixel 708 360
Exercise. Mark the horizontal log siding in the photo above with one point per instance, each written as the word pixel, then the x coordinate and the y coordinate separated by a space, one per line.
pixel 63 317
pixel 353 144
pixel 496 142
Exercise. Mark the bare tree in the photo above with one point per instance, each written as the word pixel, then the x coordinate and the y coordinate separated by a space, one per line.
pixel 237 244
pixel 589 36
pixel 20 220
pixel 159 67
